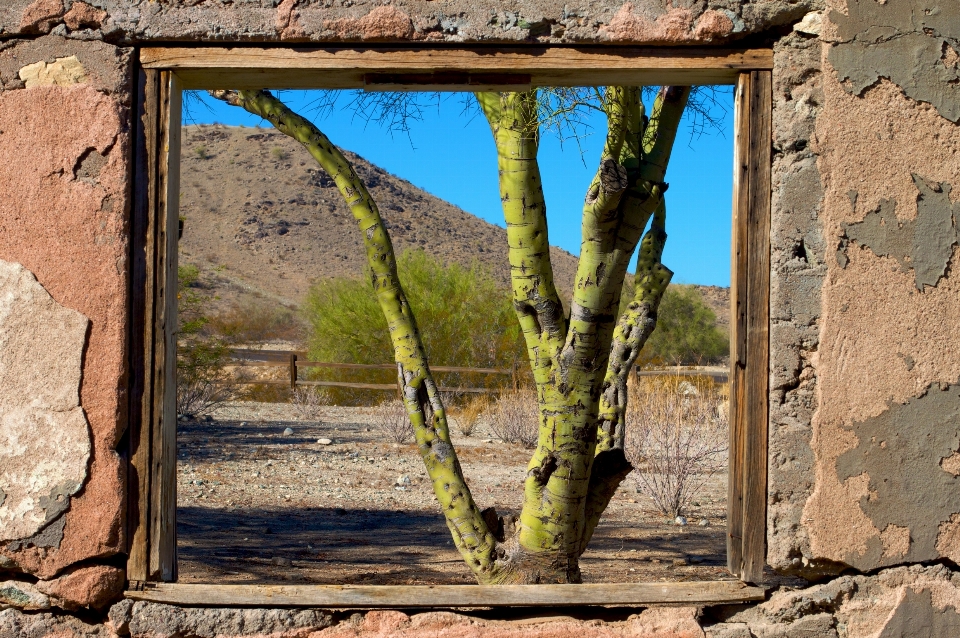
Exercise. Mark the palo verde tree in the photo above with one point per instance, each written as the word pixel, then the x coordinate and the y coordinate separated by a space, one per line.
pixel 580 361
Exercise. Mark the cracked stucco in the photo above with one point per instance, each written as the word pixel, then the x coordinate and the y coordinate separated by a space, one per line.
pixel 900 453
pixel 44 436
pixel 913 44
pixel 924 244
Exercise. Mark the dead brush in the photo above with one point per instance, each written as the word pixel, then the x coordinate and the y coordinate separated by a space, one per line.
pixel 515 417
pixel 467 416
pixel 676 438
pixel 390 418
pixel 309 402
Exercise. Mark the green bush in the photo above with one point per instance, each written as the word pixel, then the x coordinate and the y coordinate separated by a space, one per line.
pixel 464 318
pixel 203 383
pixel 687 332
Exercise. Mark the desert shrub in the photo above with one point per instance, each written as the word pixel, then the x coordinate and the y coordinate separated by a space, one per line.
pixel 201 152
pixel 390 419
pixel 265 393
pixel 677 438
pixel 686 333
pixel 278 153
pixel 203 382
pixel 466 412
pixel 464 318
pixel 255 320
pixel 515 417
pixel 309 402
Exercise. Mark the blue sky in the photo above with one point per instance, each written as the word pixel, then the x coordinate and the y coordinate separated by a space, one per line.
pixel 451 154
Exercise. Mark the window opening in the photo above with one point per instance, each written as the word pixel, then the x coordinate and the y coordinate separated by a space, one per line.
pixel 324 483
pixel 193 283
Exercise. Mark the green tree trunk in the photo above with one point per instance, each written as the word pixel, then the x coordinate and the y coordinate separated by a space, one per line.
pixel 579 363
pixel 570 479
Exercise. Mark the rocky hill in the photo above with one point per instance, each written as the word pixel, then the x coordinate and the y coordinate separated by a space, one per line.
pixel 261 219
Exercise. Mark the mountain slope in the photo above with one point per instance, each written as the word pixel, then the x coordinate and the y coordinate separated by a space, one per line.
pixel 261 219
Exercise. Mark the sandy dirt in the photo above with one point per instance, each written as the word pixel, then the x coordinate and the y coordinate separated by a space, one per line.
pixel 258 505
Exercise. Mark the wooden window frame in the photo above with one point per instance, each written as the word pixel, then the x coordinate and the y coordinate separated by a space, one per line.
pixel 164 72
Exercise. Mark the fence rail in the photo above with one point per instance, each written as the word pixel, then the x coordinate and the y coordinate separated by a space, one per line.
pixel 294 360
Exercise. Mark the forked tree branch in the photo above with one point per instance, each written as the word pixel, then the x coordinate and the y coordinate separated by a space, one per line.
pixel 644 199
pixel 631 333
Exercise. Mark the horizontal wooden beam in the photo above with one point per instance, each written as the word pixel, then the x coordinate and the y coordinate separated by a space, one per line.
pixel 433 596
pixel 393 366
pixel 467 69
pixel 392 387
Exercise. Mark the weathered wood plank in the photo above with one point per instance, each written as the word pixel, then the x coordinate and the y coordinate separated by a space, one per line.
pixel 738 325
pixel 436 59
pixel 758 329
pixel 285 67
pixel 372 596
pixel 376 386
pixel 163 541
pixel 142 295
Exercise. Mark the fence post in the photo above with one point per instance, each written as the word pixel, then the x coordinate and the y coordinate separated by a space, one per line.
pixel 293 371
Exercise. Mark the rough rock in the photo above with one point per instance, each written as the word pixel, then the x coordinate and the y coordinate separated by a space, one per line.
pixel 797 272
pixel 64 217
pixel 44 436
pixel 14 593
pixel 91 587
pixel 901 602
pixel 62 72
pixel 153 620
pixel 526 21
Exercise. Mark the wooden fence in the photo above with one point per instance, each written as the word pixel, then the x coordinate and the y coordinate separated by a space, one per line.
pixel 293 361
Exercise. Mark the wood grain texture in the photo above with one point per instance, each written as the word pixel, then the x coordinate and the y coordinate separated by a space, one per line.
pixel 163 511
pixel 486 68
pixel 758 328
pixel 142 282
pixel 738 325
pixel 373 596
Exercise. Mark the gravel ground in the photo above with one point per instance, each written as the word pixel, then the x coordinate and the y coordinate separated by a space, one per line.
pixel 261 500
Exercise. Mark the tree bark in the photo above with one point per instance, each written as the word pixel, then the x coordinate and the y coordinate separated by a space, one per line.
pixel 579 363
pixel 569 479
pixel 470 532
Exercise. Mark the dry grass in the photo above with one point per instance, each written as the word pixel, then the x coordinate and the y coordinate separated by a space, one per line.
pixel 390 418
pixel 677 438
pixel 515 418
pixel 202 396
pixel 309 402
pixel 467 416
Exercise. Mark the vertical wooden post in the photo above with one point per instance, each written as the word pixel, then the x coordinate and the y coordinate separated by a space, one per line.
pixel 143 231
pixel 749 335
pixel 293 370
pixel 758 329
pixel 738 316
pixel 163 488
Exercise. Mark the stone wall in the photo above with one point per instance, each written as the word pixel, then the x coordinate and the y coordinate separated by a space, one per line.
pixel 865 357
pixel 426 21
pixel 64 212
